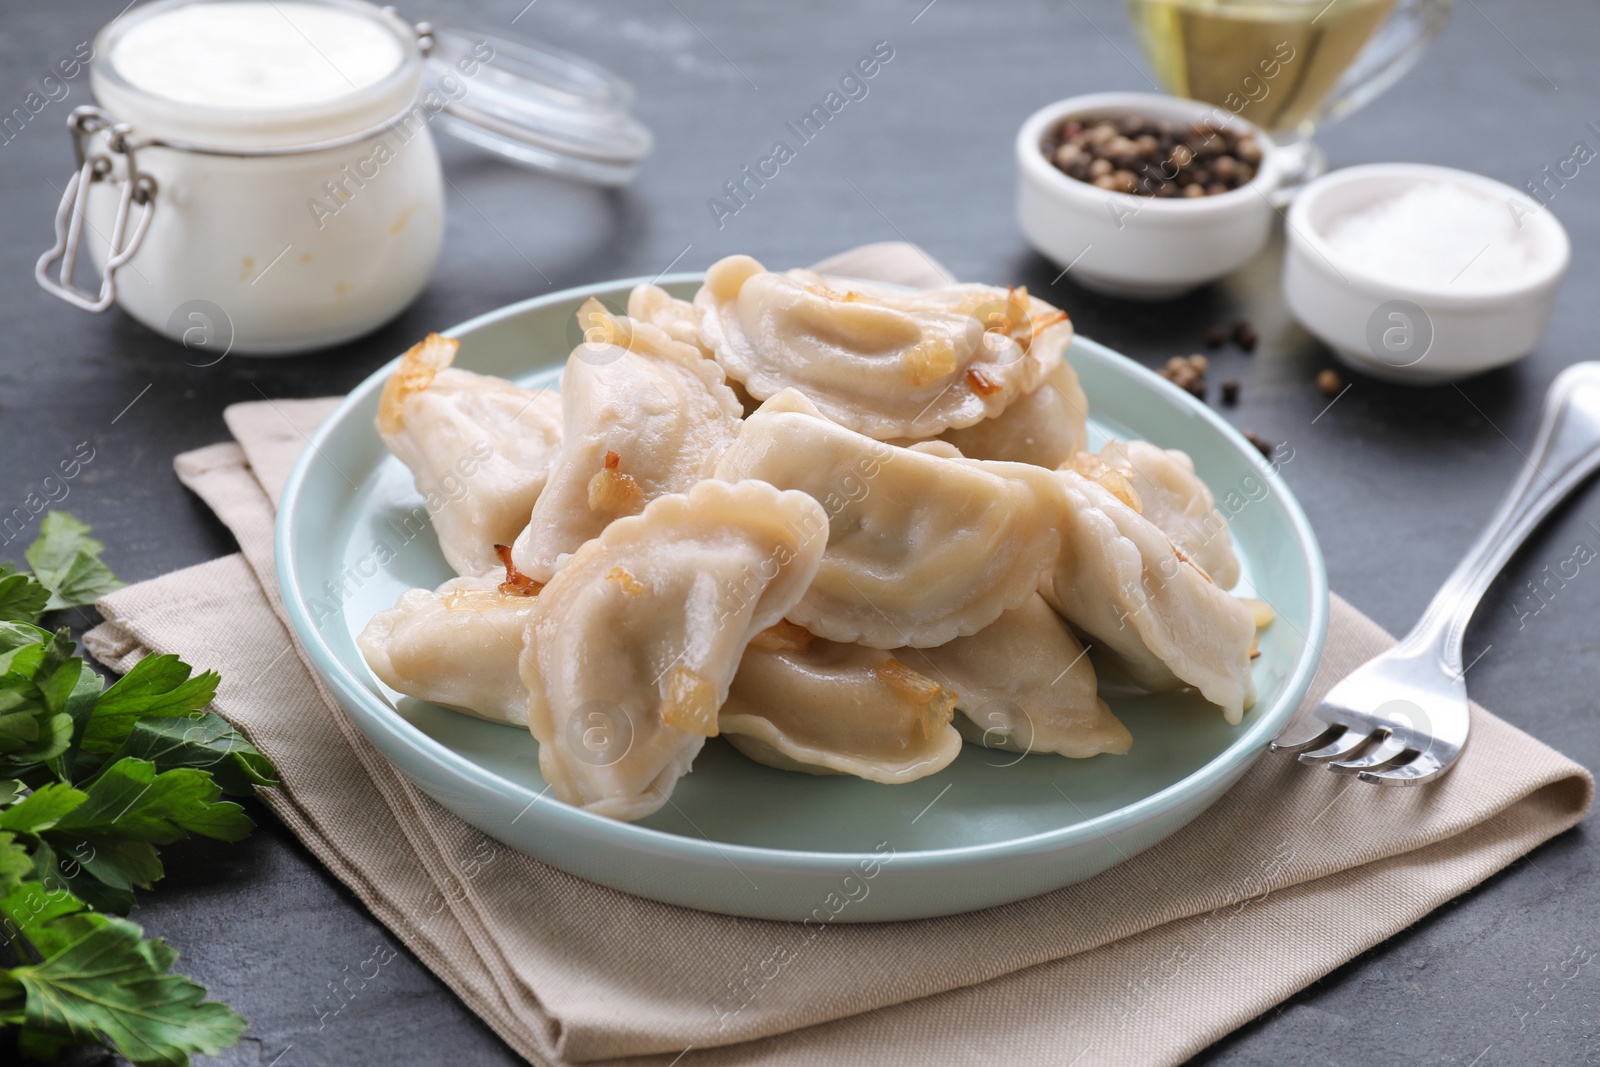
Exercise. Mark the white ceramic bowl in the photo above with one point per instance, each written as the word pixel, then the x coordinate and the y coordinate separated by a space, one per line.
pixel 1416 332
pixel 1139 246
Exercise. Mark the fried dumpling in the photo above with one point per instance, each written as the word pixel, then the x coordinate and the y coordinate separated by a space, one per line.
pixel 921 548
pixel 1025 685
pixel 1173 497
pixel 632 646
pixel 479 449
pixel 1163 621
pixel 458 646
pixel 882 362
pixel 802 703
pixel 676 318
pixel 644 415
pixel 1044 427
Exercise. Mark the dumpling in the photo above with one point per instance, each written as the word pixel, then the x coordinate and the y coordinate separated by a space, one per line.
pixel 644 416
pixel 632 646
pixel 936 447
pixel 1173 497
pixel 1044 428
pixel 1166 624
pixel 921 548
pixel 882 362
pixel 1025 685
pixel 479 449
pixel 801 703
pixel 676 318
pixel 458 646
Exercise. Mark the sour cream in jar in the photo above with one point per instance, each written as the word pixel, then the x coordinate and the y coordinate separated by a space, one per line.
pixel 259 240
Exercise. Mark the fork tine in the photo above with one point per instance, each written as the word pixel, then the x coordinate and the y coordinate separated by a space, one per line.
pixel 1424 768
pixel 1392 753
pixel 1324 736
pixel 1349 743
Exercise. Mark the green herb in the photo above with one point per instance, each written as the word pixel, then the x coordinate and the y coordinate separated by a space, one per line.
pixel 91 783
pixel 66 561
pixel 21 597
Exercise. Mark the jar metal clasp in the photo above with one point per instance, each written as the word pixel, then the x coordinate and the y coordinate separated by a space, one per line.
pixel 138 189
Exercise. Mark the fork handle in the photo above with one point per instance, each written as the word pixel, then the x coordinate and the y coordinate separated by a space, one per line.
pixel 1565 452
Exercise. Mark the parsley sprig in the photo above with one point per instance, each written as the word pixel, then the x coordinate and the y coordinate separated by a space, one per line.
pixel 92 781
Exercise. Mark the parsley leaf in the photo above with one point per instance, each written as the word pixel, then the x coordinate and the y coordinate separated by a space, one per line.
pixel 102 869
pixel 205 742
pixel 91 783
pixel 36 682
pixel 22 599
pixel 63 872
pixel 156 713
pixel 39 916
pixel 156 686
pixel 110 985
pixel 41 809
pixel 132 799
pixel 15 865
pixel 66 561
pixel 15 635
pixel 75 763
pixel 127 810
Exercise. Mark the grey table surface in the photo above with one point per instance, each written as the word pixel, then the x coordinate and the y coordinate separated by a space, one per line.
pixel 1396 480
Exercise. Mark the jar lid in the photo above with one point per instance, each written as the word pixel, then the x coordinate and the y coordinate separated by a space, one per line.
pixel 534 104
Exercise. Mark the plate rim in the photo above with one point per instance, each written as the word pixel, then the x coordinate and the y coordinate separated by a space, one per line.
pixel 1247 747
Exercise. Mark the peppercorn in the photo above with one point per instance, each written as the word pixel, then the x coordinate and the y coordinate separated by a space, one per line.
pixel 1263 445
pixel 1199 159
pixel 1230 392
pixel 1245 336
pixel 1187 373
pixel 1330 382
pixel 1069 155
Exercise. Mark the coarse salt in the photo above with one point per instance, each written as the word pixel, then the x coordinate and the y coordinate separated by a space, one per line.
pixel 1436 236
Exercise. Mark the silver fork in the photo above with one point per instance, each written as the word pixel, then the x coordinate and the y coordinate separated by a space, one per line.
pixel 1401 717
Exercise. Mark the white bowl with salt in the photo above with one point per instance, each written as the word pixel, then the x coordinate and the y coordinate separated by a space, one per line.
pixel 1418 273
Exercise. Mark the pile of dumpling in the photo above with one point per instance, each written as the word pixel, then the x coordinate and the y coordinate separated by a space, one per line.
pixel 844 526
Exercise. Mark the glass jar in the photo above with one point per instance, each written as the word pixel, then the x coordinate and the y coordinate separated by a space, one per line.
pixel 1289 66
pixel 261 177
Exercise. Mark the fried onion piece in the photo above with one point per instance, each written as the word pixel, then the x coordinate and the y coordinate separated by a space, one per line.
pixel 1107 477
pixel 784 637
pixel 417 369
pixel 1260 611
pixel 938 703
pixel 610 490
pixel 630 585
pixel 690 702
pixel 516 583
pixel 981 383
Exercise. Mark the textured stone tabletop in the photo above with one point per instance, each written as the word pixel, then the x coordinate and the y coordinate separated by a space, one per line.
pixel 1397 481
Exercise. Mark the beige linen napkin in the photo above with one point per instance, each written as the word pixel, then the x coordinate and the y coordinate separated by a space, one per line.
pixel 1291 874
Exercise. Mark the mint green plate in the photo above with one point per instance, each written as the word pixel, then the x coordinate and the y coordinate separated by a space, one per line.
pixel 744 839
